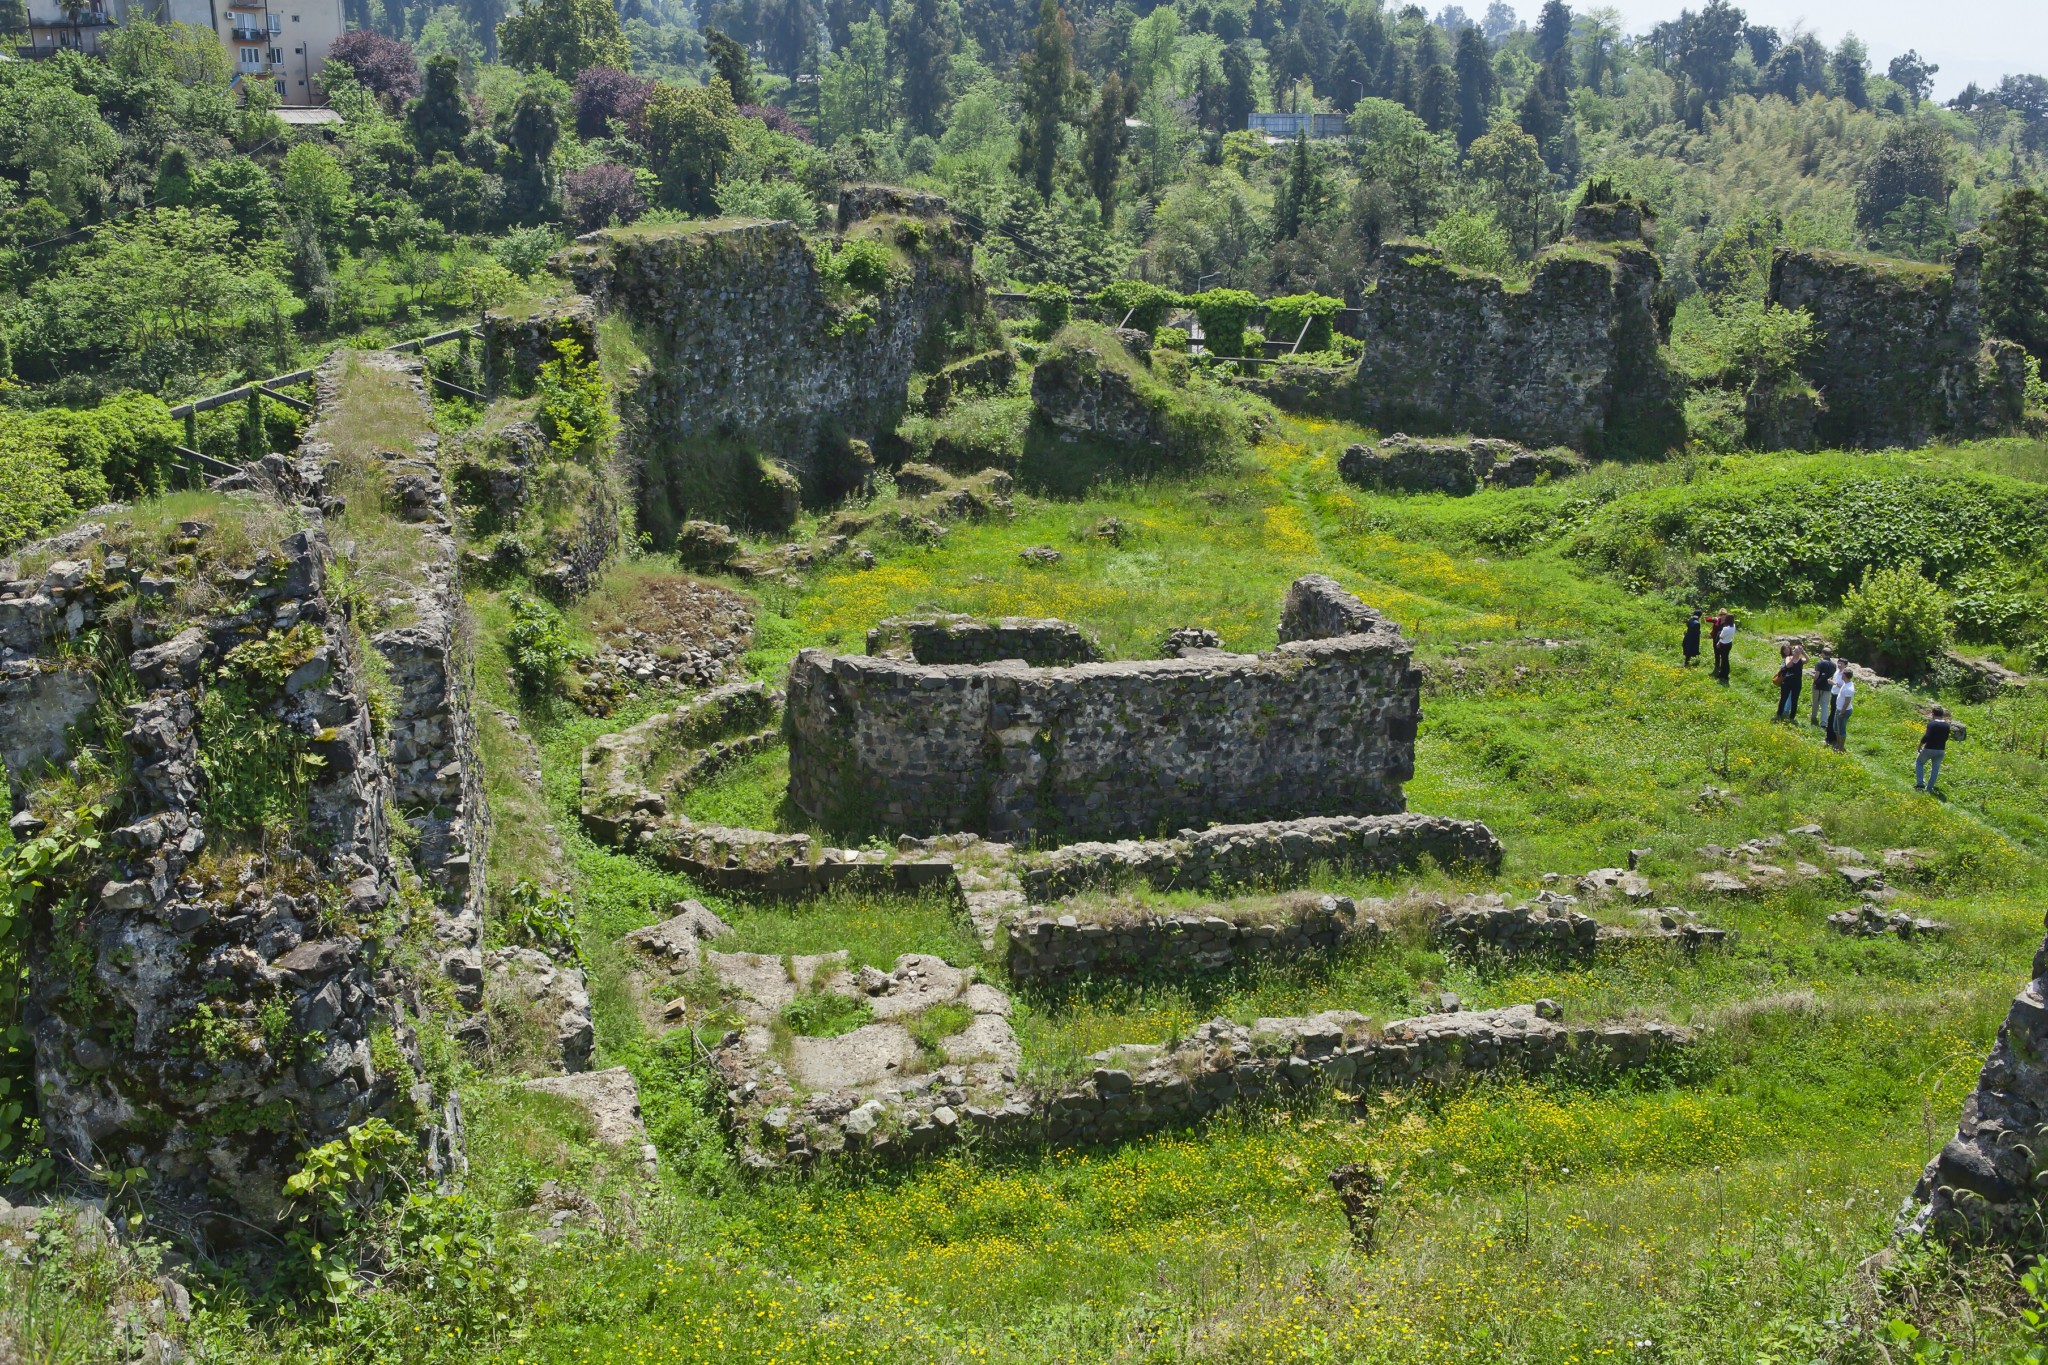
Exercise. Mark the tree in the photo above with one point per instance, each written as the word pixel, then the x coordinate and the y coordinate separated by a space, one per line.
pixel 922 40
pixel 1478 86
pixel 1912 160
pixel 1511 174
pixel 602 194
pixel 13 19
pixel 689 142
pixel 51 133
pixel 605 93
pixel 2016 271
pixel 1046 75
pixel 1918 228
pixel 144 49
pixel 732 64
pixel 1913 74
pixel 383 66
pixel 1239 99
pixel 1106 137
pixel 316 188
pixel 1850 67
pixel 438 120
pixel 238 190
pixel 1304 197
pixel 174 179
pixel 1396 151
pixel 535 128
pixel 853 88
pixel 1553 32
pixel 564 37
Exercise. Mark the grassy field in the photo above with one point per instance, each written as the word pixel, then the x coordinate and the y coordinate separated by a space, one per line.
pixel 1722 1212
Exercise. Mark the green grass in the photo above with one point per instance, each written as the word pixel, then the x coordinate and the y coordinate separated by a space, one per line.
pixel 1718 1212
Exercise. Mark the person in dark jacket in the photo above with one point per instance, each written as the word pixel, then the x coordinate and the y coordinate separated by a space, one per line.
pixel 1823 686
pixel 1791 677
pixel 1933 746
pixel 1691 646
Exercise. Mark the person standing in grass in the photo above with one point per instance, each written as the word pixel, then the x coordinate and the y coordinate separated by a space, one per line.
pixel 1824 687
pixel 1724 644
pixel 1845 702
pixel 1933 746
pixel 1791 676
pixel 1691 645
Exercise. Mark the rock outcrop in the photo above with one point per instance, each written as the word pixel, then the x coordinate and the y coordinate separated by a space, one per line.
pixel 1089 383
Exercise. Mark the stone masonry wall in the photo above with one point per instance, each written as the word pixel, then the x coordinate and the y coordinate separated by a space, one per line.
pixel 1572 360
pixel 1985 1184
pixel 1048 948
pixel 436 779
pixel 1901 356
pixel 1104 750
pixel 148 1009
pixel 964 640
pixel 748 356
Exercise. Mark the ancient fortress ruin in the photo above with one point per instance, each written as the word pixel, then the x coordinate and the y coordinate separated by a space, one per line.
pixel 1325 724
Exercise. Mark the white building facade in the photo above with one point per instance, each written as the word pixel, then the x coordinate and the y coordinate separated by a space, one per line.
pixel 280 45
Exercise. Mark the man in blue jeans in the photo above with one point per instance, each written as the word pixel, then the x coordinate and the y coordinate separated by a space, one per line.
pixel 1933 745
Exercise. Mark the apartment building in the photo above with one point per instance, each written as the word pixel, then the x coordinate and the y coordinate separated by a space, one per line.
pixel 281 45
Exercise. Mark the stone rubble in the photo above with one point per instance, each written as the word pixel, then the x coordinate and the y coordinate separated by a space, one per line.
pixel 1048 948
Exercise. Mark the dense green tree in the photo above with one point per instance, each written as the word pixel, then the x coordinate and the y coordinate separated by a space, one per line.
pixel 689 142
pixel 316 189
pixel 1104 141
pixel 1239 97
pixel 53 137
pixel 2016 270
pixel 1398 153
pixel 1913 74
pixel 1304 195
pixel 1046 78
pixel 438 120
pixel 1510 172
pixel 173 180
pixel 1913 160
pixel 1478 85
pixel 922 40
pixel 854 93
pixel 564 36
pixel 731 63
pixel 1849 69
pixel 238 190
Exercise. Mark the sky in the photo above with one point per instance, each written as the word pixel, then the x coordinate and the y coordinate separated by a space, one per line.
pixel 1970 40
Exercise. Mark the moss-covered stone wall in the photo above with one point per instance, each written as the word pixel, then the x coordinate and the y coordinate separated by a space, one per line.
pixel 1574 359
pixel 755 355
pixel 1900 355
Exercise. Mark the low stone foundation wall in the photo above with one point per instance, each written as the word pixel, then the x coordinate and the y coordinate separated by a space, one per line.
pixel 1274 853
pixel 629 776
pixel 1402 464
pixel 1048 948
pixel 1136 1090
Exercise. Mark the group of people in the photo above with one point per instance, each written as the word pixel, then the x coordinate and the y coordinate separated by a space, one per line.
pixel 1834 692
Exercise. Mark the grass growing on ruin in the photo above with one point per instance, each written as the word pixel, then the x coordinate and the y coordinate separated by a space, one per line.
pixel 1719 1214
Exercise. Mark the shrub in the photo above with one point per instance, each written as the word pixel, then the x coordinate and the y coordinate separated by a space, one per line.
pixel 257 766
pixel 1895 620
pixel 524 251
pixel 538 645
pixel 856 268
pixel 1715 420
pixel 783 200
pixel 1286 315
pixel 600 195
pixel 1146 305
pixel 1475 240
pixel 1224 313
pixel 575 411
pixel 1052 306
pixel 1988 608
pixel 542 917
pixel 826 1015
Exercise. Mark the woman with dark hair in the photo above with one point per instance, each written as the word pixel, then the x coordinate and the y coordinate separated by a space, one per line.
pixel 1691 644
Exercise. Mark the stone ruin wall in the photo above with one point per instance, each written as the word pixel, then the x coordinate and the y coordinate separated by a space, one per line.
pixel 1324 724
pixel 1985 1182
pixel 1050 948
pixel 1575 359
pixel 1900 355
pixel 748 356
pixel 121 1076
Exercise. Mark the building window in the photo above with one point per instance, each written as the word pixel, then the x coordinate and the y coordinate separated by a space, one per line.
pixel 280 89
pixel 277 23
pixel 251 55
pixel 276 55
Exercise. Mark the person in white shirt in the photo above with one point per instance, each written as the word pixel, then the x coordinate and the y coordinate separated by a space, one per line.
pixel 1845 702
pixel 1724 645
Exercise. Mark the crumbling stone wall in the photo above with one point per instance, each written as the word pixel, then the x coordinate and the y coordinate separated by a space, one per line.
pixel 1901 357
pixel 206 1022
pixel 1985 1182
pixel 1108 749
pixel 749 358
pixel 1574 360
pixel 517 342
pixel 1048 947
pixel 964 640
pixel 1401 463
